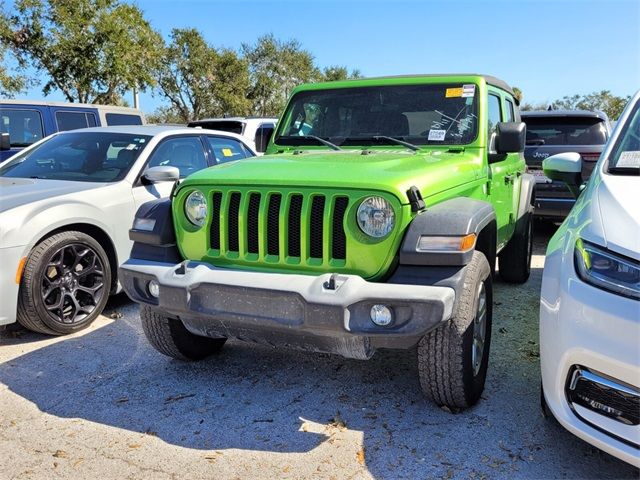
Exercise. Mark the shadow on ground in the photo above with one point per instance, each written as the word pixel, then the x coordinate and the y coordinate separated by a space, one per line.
pixel 256 398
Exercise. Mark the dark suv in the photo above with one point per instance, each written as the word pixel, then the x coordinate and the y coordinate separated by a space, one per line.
pixel 556 131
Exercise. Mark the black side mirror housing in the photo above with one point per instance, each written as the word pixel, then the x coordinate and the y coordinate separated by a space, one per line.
pixel 510 137
pixel 5 142
pixel 263 137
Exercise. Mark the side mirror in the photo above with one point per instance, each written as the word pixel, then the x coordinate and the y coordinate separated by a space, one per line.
pixel 263 137
pixel 510 137
pixel 565 167
pixel 161 174
pixel 5 142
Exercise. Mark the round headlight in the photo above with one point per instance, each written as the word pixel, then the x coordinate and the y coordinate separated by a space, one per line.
pixel 195 207
pixel 376 217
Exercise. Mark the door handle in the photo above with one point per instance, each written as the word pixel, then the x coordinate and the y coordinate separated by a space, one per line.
pixel 508 179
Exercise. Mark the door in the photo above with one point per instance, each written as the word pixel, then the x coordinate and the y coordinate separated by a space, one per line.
pixel 186 153
pixel 503 168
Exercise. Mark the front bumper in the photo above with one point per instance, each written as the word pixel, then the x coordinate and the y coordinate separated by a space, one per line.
pixel 9 261
pixel 301 311
pixel 585 329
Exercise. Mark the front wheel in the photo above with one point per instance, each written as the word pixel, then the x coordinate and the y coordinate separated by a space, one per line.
pixel 453 358
pixel 65 284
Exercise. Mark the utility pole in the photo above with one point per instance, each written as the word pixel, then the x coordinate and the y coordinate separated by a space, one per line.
pixel 136 99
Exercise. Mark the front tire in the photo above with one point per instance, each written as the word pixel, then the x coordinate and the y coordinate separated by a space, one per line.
pixel 170 337
pixel 453 358
pixel 514 261
pixel 65 284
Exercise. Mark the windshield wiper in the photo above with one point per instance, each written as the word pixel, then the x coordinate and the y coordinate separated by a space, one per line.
pixel 321 140
pixel 410 146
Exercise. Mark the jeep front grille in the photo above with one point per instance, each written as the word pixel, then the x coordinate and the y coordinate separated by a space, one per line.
pixel 290 228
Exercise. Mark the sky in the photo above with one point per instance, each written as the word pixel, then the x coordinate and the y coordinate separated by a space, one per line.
pixel 546 48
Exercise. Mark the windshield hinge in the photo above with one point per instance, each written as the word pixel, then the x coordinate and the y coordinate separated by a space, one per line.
pixel 415 199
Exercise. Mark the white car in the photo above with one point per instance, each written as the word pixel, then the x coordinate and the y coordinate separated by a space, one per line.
pixel 66 206
pixel 590 299
pixel 256 131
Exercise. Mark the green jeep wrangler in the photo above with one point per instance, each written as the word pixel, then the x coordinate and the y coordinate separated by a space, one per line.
pixel 374 221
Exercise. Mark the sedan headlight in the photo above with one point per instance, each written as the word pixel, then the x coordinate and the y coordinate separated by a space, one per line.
pixel 376 217
pixel 607 270
pixel 195 207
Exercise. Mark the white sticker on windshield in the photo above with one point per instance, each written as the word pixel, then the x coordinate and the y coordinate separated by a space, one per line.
pixel 468 90
pixel 437 135
pixel 629 159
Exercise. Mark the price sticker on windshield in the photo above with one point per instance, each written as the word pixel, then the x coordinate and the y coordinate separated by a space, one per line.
pixel 468 90
pixel 453 92
pixel 436 135
pixel 629 158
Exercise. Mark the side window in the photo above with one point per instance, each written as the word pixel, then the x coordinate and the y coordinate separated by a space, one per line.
pixel 23 126
pixel 74 120
pixel 185 153
pixel 263 134
pixel 494 112
pixel 227 149
pixel 510 112
pixel 123 119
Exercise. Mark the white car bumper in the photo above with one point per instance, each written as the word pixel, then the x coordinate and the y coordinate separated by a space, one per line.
pixel 581 325
pixel 9 260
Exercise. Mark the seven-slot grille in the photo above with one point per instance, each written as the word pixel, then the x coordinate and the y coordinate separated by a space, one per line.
pixel 274 225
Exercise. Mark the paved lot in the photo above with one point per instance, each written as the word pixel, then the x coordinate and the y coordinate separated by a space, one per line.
pixel 103 404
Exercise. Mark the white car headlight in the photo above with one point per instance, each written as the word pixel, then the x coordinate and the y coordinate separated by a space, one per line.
pixel 375 217
pixel 607 270
pixel 195 207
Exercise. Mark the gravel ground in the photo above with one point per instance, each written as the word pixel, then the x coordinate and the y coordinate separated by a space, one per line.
pixel 103 404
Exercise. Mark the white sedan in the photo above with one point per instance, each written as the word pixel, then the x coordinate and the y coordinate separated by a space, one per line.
pixel 590 299
pixel 66 206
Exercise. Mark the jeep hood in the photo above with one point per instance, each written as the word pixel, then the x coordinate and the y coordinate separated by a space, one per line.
pixel 620 213
pixel 393 171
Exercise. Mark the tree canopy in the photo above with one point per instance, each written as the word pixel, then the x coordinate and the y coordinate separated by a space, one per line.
pixel 91 50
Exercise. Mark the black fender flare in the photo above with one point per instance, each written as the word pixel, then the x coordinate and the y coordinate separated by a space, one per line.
pixel 157 243
pixel 526 202
pixel 456 217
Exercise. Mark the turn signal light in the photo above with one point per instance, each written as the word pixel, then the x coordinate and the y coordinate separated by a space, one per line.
pixel 446 244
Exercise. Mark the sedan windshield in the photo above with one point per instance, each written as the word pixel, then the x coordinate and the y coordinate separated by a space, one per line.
pixel 79 156
pixel 417 114
pixel 625 155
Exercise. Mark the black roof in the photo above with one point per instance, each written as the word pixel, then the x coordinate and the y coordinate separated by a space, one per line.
pixel 565 113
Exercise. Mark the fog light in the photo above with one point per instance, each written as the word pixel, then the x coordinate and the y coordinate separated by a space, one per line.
pixel 154 288
pixel 381 315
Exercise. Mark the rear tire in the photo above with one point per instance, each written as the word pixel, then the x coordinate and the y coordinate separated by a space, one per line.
pixel 451 365
pixel 170 337
pixel 514 261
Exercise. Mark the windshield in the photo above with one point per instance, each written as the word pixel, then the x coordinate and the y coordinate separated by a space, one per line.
pixel 82 157
pixel 565 131
pixel 625 154
pixel 419 114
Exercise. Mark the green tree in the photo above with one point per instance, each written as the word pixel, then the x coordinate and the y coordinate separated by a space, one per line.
pixel 199 81
pixel 275 68
pixel 93 51
pixel 337 72
pixel 603 100
pixel 10 82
